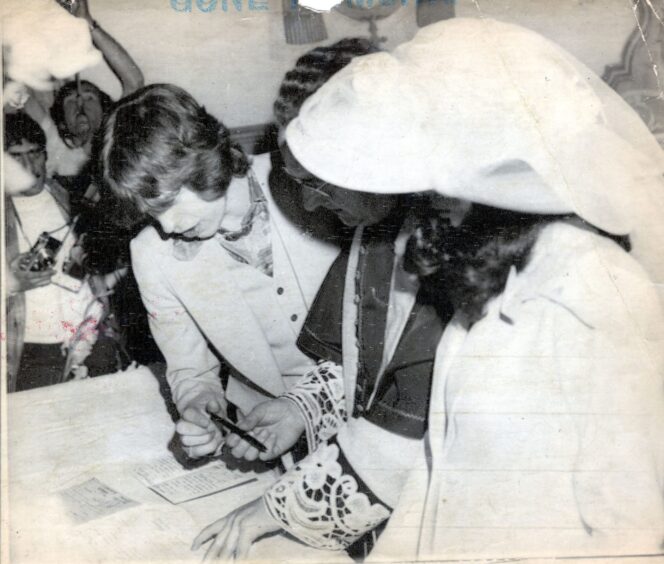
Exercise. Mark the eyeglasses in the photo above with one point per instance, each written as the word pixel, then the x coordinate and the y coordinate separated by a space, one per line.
pixel 312 184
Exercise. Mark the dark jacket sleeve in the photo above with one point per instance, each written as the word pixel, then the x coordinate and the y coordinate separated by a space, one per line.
pixel 320 337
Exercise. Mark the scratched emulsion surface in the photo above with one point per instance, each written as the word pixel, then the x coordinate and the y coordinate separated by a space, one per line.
pixel 220 56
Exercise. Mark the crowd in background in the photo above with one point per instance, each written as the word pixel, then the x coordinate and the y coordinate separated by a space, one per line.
pixel 89 320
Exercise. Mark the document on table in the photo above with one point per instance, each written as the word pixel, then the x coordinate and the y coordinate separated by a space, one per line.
pixel 166 477
pixel 93 499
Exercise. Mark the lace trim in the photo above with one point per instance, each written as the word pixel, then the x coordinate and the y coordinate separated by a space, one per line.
pixel 320 505
pixel 320 397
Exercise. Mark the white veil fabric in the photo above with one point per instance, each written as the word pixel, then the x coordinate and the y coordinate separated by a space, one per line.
pixel 492 113
pixel 496 114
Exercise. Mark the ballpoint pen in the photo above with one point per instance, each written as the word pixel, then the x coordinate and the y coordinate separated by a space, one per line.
pixel 221 422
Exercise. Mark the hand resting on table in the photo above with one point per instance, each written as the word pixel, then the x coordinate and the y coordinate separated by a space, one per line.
pixel 234 534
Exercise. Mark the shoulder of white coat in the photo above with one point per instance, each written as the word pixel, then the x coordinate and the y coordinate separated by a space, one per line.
pixel 589 275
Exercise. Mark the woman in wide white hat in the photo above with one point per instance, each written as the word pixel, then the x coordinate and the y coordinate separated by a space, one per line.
pixel 546 411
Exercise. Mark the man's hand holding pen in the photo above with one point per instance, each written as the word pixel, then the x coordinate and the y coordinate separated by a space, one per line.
pixel 267 432
pixel 276 423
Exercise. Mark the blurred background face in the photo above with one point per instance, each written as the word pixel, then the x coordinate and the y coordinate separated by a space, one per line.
pixel 192 216
pixel 83 113
pixel 32 157
pixel 352 208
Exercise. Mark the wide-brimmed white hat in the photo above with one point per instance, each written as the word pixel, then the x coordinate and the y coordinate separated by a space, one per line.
pixel 492 113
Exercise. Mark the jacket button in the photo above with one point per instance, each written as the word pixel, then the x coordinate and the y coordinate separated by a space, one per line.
pixel 280 290
pixel 293 317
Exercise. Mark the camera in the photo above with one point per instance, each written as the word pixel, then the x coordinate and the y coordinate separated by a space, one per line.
pixel 43 254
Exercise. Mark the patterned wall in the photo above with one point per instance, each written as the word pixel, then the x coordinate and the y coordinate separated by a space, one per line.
pixel 639 76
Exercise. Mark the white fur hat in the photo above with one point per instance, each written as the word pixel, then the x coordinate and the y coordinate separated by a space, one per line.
pixel 44 41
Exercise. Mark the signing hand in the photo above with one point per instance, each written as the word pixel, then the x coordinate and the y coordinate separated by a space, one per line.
pixel 199 435
pixel 23 280
pixel 276 423
pixel 234 534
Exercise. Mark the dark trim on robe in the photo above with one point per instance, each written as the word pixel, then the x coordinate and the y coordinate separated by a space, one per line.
pixel 320 336
pixel 402 401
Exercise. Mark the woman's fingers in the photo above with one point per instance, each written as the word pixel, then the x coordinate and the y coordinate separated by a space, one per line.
pixel 219 544
pixel 236 532
pixel 270 443
pixel 227 549
pixel 241 449
pixel 187 428
pixel 196 416
pixel 203 450
pixel 251 454
pixel 196 440
pixel 263 436
pixel 210 531
pixel 232 440
pixel 244 450
pixel 245 540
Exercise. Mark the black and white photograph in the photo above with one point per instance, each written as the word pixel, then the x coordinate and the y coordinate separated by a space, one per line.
pixel 322 281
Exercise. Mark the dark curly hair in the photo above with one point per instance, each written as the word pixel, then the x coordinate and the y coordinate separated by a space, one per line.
pixel 158 140
pixel 21 127
pixel 58 107
pixel 312 70
pixel 468 265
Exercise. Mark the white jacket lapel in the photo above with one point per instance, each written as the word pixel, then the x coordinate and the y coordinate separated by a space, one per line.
pixel 210 294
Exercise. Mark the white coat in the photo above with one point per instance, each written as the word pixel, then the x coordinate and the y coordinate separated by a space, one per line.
pixel 546 424
pixel 193 303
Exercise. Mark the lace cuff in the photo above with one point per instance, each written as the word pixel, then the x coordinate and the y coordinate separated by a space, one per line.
pixel 319 395
pixel 319 504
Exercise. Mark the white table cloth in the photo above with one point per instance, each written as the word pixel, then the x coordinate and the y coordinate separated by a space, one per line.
pixel 63 435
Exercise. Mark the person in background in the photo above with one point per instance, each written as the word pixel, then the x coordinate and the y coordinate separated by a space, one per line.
pixel 72 115
pixel 79 106
pixel 225 276
pixel 546 418
pixel 43 317
pixel 71 126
